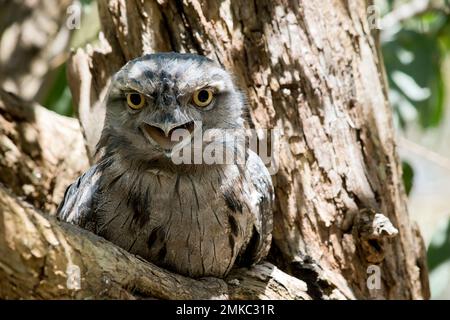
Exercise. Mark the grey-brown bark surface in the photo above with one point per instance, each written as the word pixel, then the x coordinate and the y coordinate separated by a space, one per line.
pixel 311 69
pixel 40 151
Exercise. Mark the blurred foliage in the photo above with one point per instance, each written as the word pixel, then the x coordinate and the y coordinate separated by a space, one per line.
pixel 439 248
pixel 59 98
pixel 438 256
pixel 408 176
pixel 413 58
pixel 415 52
pixel 89 28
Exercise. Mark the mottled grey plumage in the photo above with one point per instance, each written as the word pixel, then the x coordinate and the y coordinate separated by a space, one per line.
pixel 197 220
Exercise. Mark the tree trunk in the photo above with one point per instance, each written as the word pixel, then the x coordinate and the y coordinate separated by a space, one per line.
pixel 311 69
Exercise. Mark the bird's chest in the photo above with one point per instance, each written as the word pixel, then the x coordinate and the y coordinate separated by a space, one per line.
pixel 180 222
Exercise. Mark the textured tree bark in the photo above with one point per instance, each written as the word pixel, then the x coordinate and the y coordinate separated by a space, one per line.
pixel 40 151
pixel 311 69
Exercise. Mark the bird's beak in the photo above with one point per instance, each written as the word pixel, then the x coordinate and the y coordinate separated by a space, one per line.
pixel 161 133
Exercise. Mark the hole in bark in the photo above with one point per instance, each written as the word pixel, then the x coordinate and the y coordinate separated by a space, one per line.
pixel 310 276
pixel 375 245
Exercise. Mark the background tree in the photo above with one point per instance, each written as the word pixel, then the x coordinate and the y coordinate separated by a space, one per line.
pixel 312 70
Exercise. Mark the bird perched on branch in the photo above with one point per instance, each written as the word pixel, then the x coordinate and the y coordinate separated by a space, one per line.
pixel 197 218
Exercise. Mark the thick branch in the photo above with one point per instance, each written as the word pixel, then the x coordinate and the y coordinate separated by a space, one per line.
pixel 41 152
pixel 42 258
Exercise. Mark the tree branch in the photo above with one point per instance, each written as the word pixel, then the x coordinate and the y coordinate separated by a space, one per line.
pixel 45 259
pixel 41 152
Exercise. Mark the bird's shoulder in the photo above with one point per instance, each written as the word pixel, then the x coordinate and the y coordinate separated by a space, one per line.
pixel 258 196
pixel 257 173
pixel 78 204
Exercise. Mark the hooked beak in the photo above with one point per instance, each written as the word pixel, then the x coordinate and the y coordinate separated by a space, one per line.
pixel 162 133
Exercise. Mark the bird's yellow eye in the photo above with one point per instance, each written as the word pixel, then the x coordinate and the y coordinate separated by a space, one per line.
pixel 135 100
pixel 203 97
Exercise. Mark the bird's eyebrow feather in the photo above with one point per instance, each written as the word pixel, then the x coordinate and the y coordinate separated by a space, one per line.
pixel 218 85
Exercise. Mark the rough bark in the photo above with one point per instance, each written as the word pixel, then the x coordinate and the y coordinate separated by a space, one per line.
pixel 41 153
pixel 313 70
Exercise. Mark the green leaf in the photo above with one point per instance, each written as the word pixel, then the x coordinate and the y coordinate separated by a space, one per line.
pixel 408 176
pixel 439 249
pixel 413 63
pixel 59 98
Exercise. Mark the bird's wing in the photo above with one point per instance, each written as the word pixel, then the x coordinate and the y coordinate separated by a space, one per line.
pixel 260 197
pixel 78 205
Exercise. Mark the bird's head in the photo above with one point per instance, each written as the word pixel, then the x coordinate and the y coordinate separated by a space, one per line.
pixel 153 96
